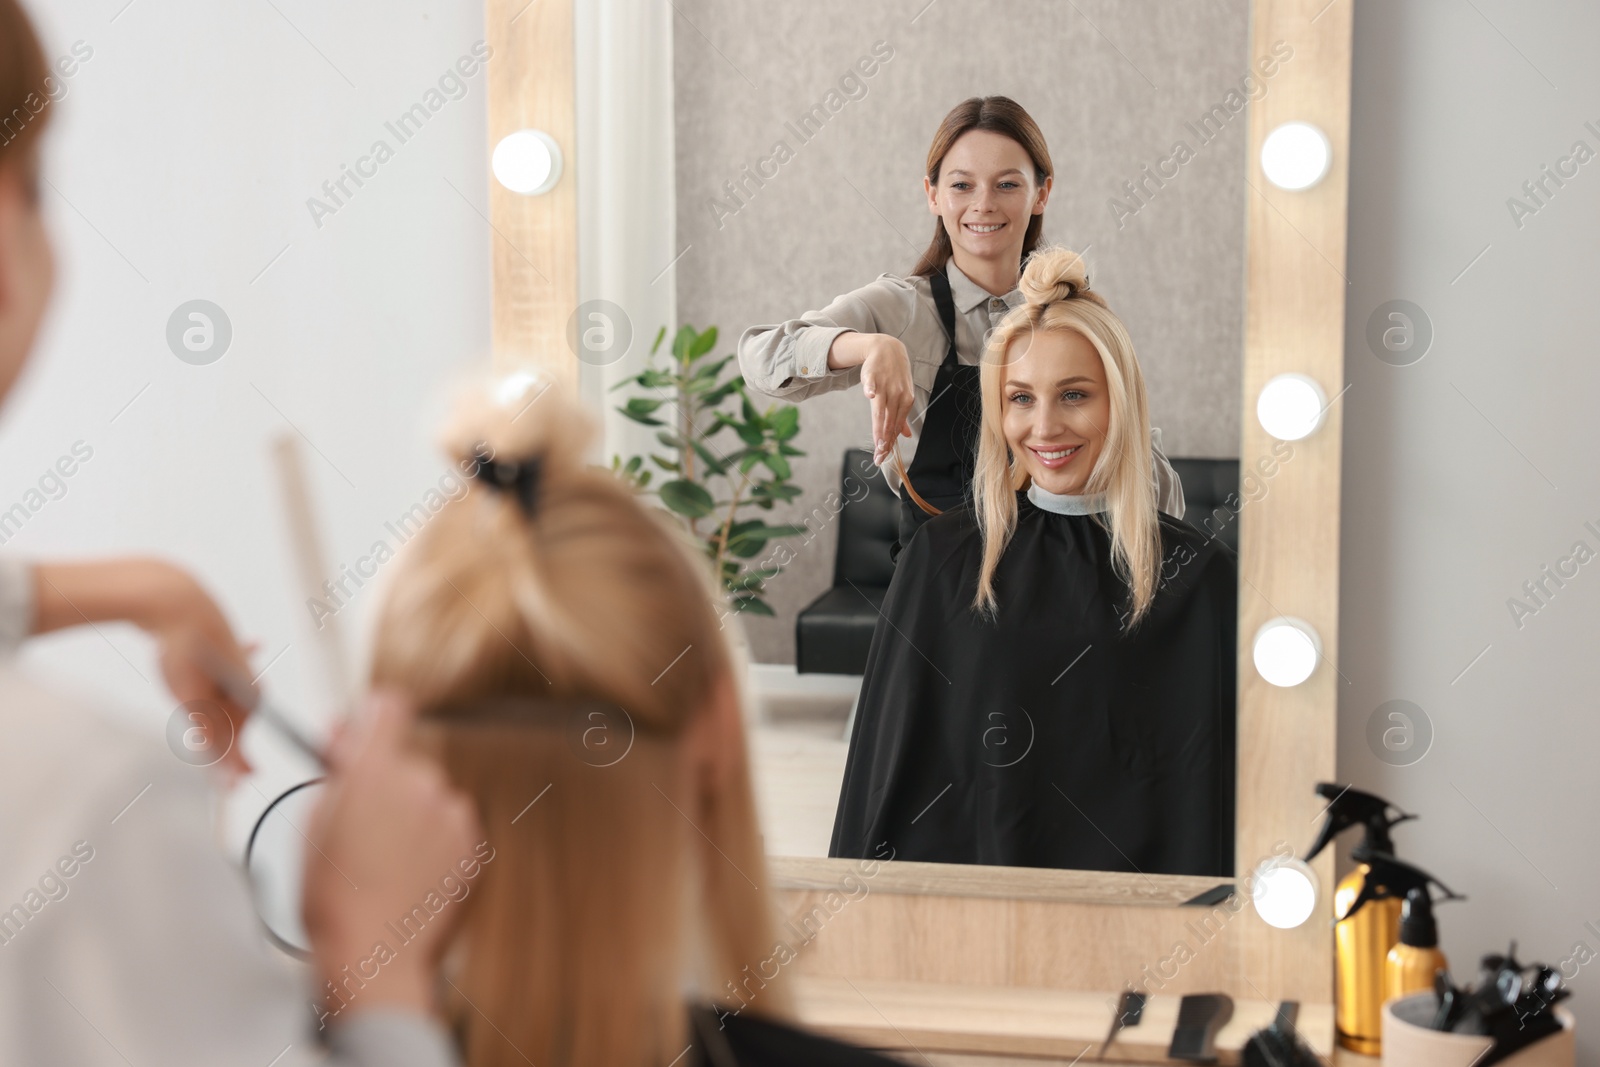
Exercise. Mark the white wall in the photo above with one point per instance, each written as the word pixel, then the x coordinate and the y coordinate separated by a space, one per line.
pixel 180 163
pixel 1468 471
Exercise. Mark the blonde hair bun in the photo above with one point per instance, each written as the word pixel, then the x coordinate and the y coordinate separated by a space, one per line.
pixel 1054 273
pixel 516 418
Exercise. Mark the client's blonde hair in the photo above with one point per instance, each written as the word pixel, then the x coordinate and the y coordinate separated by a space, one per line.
pixel 1056 285
pixel 580 933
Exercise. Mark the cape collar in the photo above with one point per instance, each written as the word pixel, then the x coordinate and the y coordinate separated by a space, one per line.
pixel 1066 504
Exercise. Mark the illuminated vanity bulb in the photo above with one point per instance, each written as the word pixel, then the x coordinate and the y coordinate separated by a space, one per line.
pixel 1291 406
pixel 1284 892
pixel 509 390
pixel 527 162
pixel 1286 651
pixel 1296 155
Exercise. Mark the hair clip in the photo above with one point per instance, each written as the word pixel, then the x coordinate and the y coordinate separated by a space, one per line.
pixel 505 476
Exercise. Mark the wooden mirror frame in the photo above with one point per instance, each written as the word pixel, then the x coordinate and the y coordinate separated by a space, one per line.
pixel 1056 929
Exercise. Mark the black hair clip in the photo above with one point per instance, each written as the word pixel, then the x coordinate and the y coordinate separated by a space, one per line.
pixel 521 477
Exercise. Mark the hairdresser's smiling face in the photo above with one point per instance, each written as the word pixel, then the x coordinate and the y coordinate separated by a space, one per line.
pixel 1055 409
pixel 987 195
pixel 27 268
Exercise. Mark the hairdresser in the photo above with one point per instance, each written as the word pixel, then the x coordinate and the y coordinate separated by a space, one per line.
pixel 914 342
pixel 125 934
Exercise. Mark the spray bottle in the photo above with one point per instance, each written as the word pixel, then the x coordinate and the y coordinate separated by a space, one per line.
pixel 1391 881
pixel 1413 963
pixel 1362 943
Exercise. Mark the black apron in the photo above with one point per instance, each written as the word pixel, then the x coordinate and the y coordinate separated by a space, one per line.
pixel 941 470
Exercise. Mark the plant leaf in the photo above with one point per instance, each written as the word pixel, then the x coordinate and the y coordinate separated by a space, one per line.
pixel 721 393
pixel 774 532
pixel 687 498
pixel 776 464
pixel 775 490
pixel 680 343
pixel 703 344
pixel 751 603
pixel 640 409
pixel 712 462
pixel 785 422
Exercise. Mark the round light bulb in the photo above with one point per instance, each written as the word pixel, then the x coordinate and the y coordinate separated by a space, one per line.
pixel 527 162
pixel 1291 406
pixel 1286 651
pixel 1296 155
pixel 1284 892
pixel 510 389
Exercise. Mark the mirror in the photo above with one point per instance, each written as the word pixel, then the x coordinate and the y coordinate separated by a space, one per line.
pixel 645 93
pixel 800 159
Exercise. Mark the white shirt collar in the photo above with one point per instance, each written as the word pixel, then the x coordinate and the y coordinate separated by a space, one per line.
pixel 1066 504
pixel 968 294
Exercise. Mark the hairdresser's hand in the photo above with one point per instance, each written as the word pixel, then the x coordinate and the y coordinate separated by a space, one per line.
pixel 886 381
pixel 389 830
pixel 200 658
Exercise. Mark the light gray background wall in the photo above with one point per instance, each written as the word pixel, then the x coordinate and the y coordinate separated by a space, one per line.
pixel 180 162
pixel 1112 89
pixel 1469 471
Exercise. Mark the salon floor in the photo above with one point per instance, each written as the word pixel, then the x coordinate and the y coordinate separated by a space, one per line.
pixel 798 748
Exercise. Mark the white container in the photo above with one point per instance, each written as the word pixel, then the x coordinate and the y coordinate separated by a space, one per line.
pixel 1408 1041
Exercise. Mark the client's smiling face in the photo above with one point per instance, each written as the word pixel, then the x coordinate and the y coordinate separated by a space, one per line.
pixel 1055 409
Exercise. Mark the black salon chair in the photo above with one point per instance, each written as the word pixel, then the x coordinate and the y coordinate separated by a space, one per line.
pixel 833 633
pixel 1211 497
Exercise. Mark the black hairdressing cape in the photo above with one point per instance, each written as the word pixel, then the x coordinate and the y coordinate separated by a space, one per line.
pixel 1048 738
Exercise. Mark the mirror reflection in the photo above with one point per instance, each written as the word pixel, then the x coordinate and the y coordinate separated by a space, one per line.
pixel 1011 322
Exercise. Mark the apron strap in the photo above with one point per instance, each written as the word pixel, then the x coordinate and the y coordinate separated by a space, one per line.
pixel 939 282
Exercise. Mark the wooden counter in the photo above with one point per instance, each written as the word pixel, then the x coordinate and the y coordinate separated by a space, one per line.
pixel 978 1025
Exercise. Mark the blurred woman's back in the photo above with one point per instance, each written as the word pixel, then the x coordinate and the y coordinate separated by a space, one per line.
pixel 563 644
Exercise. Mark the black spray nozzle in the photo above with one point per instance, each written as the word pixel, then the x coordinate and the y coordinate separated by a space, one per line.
pixel 1351 807
pixel 1390 877
pixel 1417 927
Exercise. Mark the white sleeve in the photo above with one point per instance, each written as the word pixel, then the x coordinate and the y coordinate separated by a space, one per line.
pixel 789 360
pixel 150 952
pixel 16 601
pixel 384 1038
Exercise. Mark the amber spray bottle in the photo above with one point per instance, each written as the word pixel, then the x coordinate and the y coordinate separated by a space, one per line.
pixel 1362 939
pixel 1412 964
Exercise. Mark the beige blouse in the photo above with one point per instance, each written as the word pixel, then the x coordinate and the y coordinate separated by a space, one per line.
pixel 789 360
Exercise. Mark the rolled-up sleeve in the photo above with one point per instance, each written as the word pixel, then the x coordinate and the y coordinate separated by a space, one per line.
pixel 16 602
pixel 789 360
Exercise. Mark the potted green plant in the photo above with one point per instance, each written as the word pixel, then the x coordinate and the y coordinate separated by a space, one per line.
pixel 708 486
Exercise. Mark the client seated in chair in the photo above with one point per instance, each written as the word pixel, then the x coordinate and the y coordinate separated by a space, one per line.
pixel 1052 681
pixel 563 645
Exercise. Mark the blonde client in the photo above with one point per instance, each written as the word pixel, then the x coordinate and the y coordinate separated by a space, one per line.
pixel 562 643
pixel 1052 682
